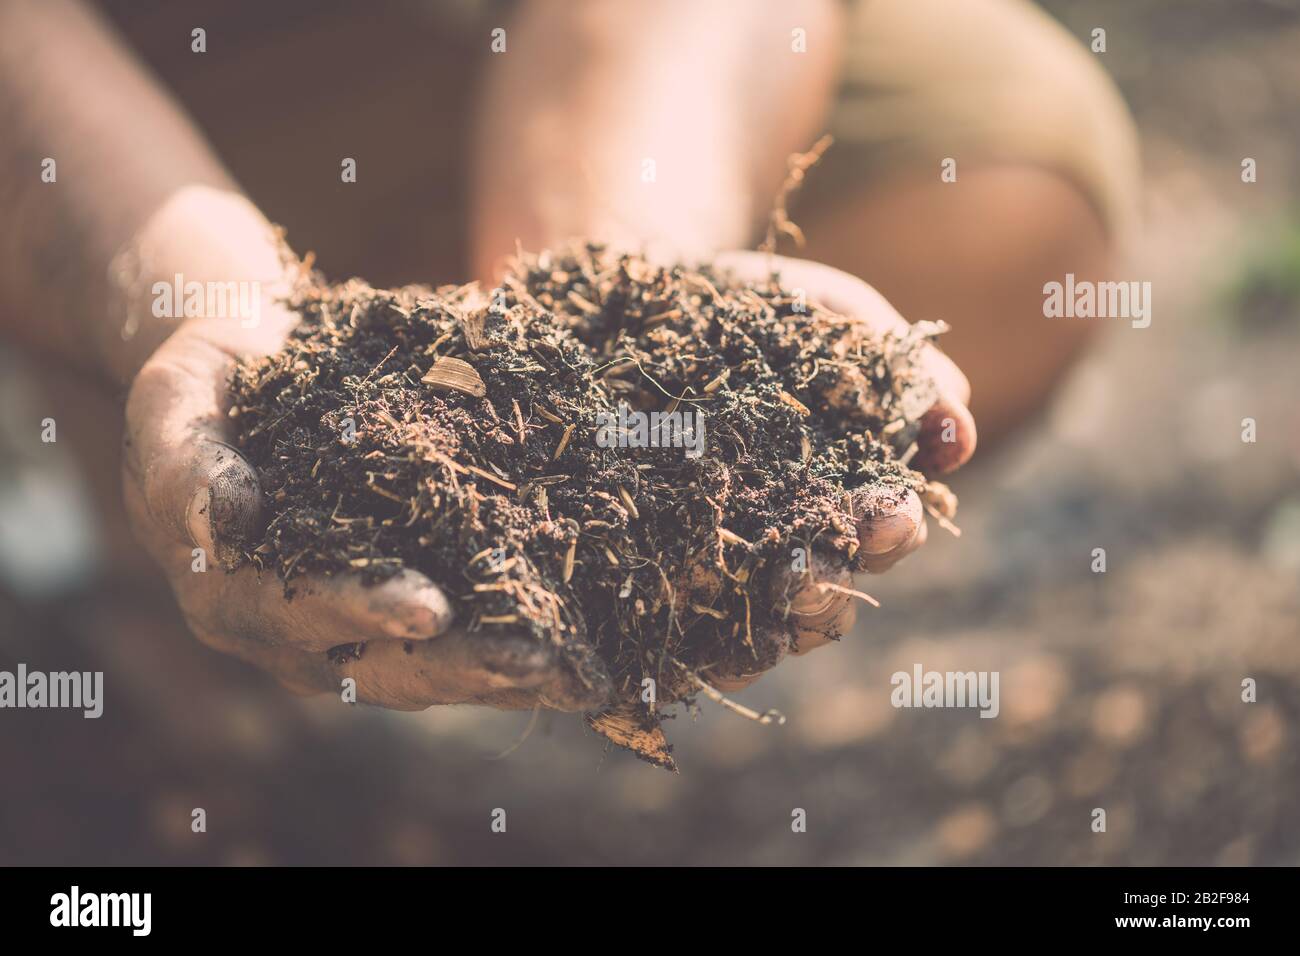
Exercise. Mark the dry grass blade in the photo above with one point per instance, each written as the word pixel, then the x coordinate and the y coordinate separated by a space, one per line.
pixel 450 374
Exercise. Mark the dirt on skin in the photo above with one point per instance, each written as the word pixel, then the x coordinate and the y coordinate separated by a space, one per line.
pixel 477 437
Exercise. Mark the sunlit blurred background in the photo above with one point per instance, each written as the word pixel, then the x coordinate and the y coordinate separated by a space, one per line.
pixel 1119 690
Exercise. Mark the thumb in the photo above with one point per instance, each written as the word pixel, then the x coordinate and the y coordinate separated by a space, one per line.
pixel 224 510
pixel 197 488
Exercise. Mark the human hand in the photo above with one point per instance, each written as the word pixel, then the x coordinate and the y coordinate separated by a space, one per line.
pixel 819 604
pixel 195 503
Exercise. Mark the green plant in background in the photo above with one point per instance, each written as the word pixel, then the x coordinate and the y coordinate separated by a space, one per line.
pixel 1265 293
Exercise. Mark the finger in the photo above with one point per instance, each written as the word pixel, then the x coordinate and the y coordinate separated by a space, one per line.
pixel 878 564
pixel 197 488
pixel 888 520
pixel 729 685
pixel 947 438
pixel 765 647
pixel 847 295
pixel 319 614
pixel 951 381
pixel 566 692
pixel 580 683
pixel 508 672
pixel 816 603
pixel 458 668
pixel 836 290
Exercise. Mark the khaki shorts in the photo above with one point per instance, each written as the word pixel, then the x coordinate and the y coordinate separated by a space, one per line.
pixel 980 81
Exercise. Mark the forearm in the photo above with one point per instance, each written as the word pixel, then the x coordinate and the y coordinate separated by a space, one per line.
pixel 136 195
pixel 656 122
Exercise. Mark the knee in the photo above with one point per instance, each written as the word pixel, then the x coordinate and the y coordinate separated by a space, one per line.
pixel 987 83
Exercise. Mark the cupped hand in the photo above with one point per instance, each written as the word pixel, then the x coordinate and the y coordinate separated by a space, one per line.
pixel 817 605
pixel 195 503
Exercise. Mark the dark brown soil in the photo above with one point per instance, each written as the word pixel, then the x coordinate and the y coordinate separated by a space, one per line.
pixel 492 474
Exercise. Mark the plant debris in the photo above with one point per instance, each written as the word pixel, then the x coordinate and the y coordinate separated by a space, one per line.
pixel 621 460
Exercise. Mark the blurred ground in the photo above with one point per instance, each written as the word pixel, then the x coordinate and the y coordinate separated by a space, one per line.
pixel 1119 690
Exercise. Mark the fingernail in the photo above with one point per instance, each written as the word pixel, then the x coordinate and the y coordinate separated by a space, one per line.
pixel 420 609
pixel 947 438
pixel 515 659
pixel 816 603
pixel 887 519
pixel 234 502
pixel 875 564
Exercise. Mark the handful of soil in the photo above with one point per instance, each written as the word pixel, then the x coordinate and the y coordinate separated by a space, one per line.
pixel 639 466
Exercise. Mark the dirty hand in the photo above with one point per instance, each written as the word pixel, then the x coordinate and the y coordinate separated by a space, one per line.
pixel 890 525
pixel 195 504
